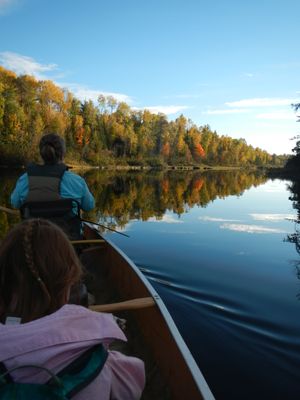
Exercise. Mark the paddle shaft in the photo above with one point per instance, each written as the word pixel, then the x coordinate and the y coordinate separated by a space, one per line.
pixel 134 304
pixel 103 226
pixel 16 212
pixel 87 241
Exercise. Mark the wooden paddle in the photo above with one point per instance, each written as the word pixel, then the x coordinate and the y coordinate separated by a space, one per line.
pixel 87 241
pixel 134 304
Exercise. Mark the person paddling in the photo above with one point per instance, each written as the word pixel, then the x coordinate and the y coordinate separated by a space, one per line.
pixel 40 333
pixel 51 182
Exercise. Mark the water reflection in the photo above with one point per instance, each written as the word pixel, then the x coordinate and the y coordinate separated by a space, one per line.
pixel 294 188
pixel 127 196
pixel 135 196
pixel 124 196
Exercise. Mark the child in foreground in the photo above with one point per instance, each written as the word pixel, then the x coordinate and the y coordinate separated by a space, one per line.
pixel 38 267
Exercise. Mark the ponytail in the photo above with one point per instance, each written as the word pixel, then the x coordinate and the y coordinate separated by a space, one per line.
pixel 52 148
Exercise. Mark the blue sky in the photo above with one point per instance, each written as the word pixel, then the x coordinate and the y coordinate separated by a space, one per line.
pixel 234 65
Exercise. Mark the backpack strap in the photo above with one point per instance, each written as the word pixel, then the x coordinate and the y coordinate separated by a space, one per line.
pixel 68 382
pixel 82 371
pixel 4 374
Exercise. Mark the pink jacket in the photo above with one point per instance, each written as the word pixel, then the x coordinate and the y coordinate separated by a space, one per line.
pixel 57 339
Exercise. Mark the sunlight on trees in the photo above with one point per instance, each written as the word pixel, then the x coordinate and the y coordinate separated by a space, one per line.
pixel 109 132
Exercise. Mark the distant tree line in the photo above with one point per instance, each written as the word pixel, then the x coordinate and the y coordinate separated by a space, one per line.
pixel 293 163
pixel 109 133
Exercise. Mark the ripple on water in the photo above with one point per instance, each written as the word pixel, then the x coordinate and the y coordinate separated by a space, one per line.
pixel 238 322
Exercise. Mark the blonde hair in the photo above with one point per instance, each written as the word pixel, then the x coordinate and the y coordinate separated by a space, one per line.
pixel 38 266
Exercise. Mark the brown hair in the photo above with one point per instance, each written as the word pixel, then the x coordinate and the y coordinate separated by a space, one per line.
pixel 38 266
pixel 52 148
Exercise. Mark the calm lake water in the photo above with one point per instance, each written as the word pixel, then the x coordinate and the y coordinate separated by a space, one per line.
pixel 217 247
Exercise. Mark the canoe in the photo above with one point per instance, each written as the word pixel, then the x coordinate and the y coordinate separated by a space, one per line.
pixel 120 287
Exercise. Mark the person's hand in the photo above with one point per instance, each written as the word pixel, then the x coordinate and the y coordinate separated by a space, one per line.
pixel 121 322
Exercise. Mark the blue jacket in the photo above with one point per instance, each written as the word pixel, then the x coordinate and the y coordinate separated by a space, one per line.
pixel 72 186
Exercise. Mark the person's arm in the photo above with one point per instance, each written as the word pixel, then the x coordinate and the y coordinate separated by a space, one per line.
pixel 20 191
pixel 74 187
pixel 127 376
pixel 87 200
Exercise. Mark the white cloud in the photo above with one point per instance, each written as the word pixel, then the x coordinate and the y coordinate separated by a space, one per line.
pixel 261 102
pixel 263 124
pixel 279 115
pixel 248 74
pixel 84 93
pixel 272 217
pixel 183 96
pixel 214 219
pixel 230 111
pixel 251 228
pixel 169 219
pixel 271 190
pixel 167 110
pixel 25 65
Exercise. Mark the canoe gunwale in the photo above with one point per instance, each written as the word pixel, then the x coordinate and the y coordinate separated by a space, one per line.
pixel 197 375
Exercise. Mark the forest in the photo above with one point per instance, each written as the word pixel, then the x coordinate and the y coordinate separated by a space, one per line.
pixel 109 133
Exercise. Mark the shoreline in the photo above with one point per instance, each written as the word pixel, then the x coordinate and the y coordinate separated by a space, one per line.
pixel 148 167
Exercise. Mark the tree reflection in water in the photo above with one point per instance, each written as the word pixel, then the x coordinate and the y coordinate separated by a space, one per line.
pixel 123 196
pixel 126 196
pixel 294 188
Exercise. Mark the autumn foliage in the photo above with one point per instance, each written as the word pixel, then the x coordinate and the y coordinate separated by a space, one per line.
pixel 109 132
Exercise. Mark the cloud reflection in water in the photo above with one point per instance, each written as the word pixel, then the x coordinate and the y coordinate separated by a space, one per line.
pixel 251 228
